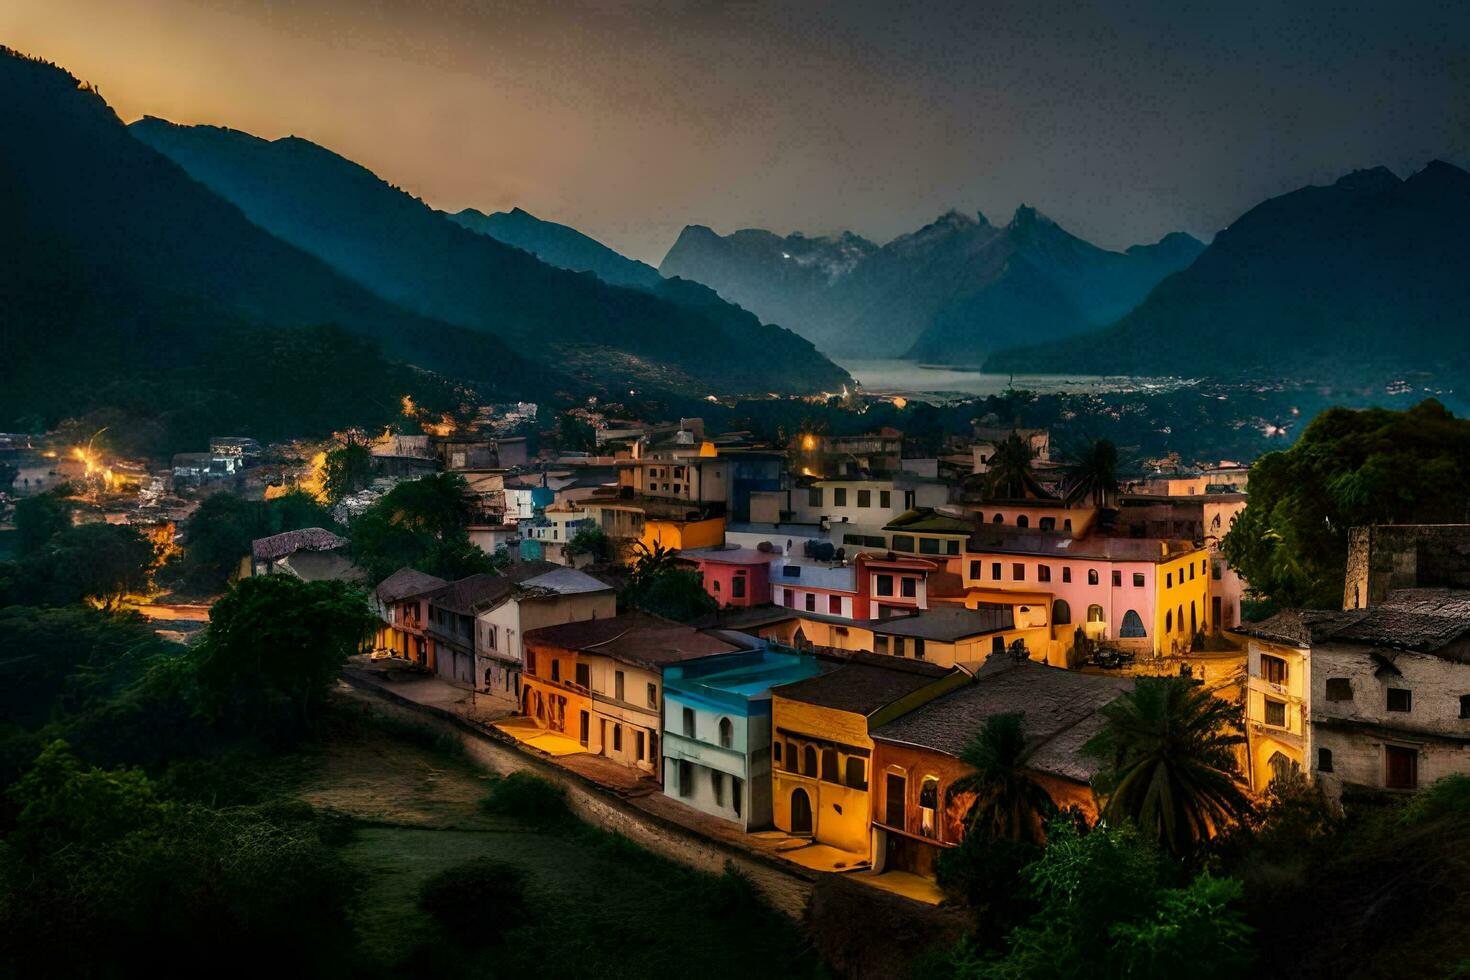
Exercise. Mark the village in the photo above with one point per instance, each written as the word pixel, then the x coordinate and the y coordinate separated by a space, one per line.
pixel 861 615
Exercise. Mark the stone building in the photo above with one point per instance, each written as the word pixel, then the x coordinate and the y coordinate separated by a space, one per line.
pixel 1385 557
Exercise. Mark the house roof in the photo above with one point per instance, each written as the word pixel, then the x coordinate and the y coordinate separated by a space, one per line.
pixel 407 582
pixel 947 624
pixel 731 555
pixel 289 542
pixel 1418 620
pixel 560 581
pixel 863 685
pixel 1059 709
pixel 1003 539
pixel 321 566
pixel 634 637
pixel 746 617
pixel 468 595
pixel 929 520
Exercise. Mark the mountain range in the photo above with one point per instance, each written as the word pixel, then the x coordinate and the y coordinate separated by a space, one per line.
pixel 561 245
pixel 676 336
pixel 952 292
pixel 1352 281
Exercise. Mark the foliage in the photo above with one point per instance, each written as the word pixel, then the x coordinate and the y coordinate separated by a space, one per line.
pixel 39 518
pixel 422 524
pixel 527 798
pixel 348 469
pixel 1349 469
pixel 1093 474
pixel 984 873
pixel 657 584
pixel 218 534
pixel 477 901
pixel 589 541
pixel 1009 804
pixel 1008 474
pixel 1168 747
pixel 273 648
pixel 573 435
pixel 97 561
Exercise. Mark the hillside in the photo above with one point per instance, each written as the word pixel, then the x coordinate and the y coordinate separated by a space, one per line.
pixel 127 285
pixel 416 257
pixel 560 245
pixel 1353 282
pixel 949 293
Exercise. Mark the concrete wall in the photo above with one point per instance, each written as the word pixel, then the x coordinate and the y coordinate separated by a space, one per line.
pixel 1387 557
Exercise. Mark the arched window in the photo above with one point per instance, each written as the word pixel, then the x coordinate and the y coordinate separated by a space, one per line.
pixel 997 519
pixel 1168 621
pixel 1179 617
pixel 1095 613
pixel 1048 524
pixel 1092 576
pixel 929 806
pixel 715 585
pixel 727 733
pixel 1132 626
pixel 1023 521
pixel 1067 524
pixel 809 761
pixel 829 766
pixel 1193 619
pixel 1061 613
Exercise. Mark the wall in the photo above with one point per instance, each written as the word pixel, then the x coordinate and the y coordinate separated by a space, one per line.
pixel 1073 521
pixel 749 737
pixel 513 618
pixel 1264 740
pixel 636 712
pixel 677 535
pixel 840 814
pixel 1387 557
pixel 719 578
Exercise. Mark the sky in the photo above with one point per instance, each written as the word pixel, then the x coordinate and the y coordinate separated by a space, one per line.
pixel 1122 121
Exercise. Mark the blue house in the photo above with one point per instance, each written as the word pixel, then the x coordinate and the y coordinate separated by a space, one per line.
pixel 717 731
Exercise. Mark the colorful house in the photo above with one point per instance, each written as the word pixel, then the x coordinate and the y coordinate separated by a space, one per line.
pixel 916 757
pixel 821 750
pixel 717 731
pixel 402 603
pixel 953 636
pixel 735 576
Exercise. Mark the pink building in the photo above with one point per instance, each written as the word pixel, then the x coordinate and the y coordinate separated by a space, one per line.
pixel 735 576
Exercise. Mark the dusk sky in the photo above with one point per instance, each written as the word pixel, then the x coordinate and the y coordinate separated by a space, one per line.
pixel 1121 121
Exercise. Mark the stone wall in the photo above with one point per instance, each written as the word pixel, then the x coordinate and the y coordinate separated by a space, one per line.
pixel 1404 556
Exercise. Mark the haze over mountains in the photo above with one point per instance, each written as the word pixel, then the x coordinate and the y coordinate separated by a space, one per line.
pixel 951 292
pixel 1359 279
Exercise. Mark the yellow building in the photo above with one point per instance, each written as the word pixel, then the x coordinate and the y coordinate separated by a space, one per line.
pixel 1275 706
pixel 821 752
pixel 678 535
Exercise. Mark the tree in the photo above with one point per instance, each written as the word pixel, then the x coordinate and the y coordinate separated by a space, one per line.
pixel 459 898
pixel 1093 475
pixel 1168 748
pixel 658 585
pixel 1009 804
pixel 589 541
pixel 1349 469
pixel 219 532
pixel 274 647
pixel 39 518
pixel 574 435
pixel 1008 473
pixel 348 469
pixel 422 524
pixel 98 561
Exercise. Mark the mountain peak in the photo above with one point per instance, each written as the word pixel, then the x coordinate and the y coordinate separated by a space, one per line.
pixel 1373 178
pixel 1440 176
pixel 1027 217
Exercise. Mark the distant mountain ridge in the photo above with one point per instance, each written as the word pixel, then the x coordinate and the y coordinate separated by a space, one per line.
pixel 1357 279
pixel 950 292
pixel 560 245
pixel 416 257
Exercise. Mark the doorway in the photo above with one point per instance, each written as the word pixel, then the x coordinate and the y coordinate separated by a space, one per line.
pixel 801 812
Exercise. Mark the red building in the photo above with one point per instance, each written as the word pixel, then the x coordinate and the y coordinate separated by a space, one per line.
pixel 736 576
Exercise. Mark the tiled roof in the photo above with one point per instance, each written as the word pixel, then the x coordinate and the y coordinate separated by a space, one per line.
pixel 1059 709
pixel 289 542
pixel 866 683
pixel 1004 539
pixel 948 623
pixel 633 637
pixel 468 595
pixel 929 520
pixel 407 582
pixel 1420 620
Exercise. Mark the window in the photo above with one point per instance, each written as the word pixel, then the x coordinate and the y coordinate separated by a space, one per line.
pixel 1117 579
pixel 814 497
pixel 1465 706
pixel 1399 699
pixel 998 519
pixel 1132 628
pixel 1324 760
pixel 638 744
pixel 490 636
pixel 1061 613
pixel 898 646
pixel 880 644
pixel 1023 521
pixel 717 783
pixel 811 602
pixel 686 778
pixel 885 585
pixel 865 498
pixel 737 794
pixel 995 570
pixel 1138 580
pixel 531 660
pixel 909 587
pixel 1092 576
pixel 776 751
pixel 1401 767
pixel 791 571
pixel 727 733
pixel 1275 712
pixel 1047 524
pixel 1191 571
pixel 885 499
pixel 689 722
pixel 1066 573
pixel 1216 571
pixel 903 542
pixel 737 586
pixel 1169 580
pixel 975 569
pixel 857 773
pixel 653 695
pixel 1043 573
pixel 928 806
pixel 1168 620
pixel 1095 614
pixel 1018 571
pixel 839 497
pixel 556 670
pixel 829 766
pixel 997 644
pixel 952 547
pixel 834 605
pixel 618 685
pixel 617 738
pixel 793 763
pixel 930 546
pixel 809 761
pixel 584 675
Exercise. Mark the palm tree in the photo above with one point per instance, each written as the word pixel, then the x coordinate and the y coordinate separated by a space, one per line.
pixel 1009 804
pixel 1169 749
pixel 1094 474
pixel 1008 473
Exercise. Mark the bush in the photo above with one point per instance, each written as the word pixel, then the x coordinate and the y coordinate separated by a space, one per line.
pixel 477 901
pixel 529 798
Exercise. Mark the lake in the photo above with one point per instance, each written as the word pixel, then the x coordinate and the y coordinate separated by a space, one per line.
pixel 891 376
